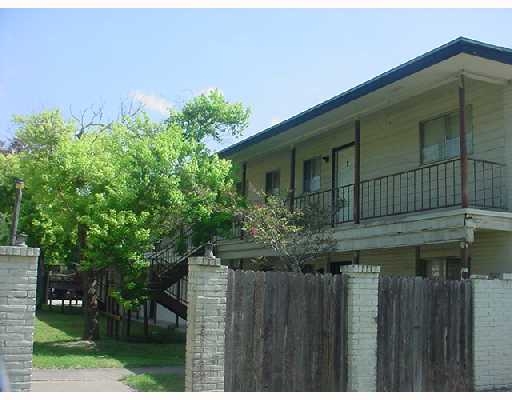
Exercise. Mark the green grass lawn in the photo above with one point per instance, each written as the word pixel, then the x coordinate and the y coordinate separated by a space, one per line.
pixel 58 344
pixel 156 382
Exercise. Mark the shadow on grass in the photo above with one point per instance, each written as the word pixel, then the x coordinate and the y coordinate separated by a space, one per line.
pixel 58 344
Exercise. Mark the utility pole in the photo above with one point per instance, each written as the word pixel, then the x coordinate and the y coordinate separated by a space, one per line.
pixel 16 213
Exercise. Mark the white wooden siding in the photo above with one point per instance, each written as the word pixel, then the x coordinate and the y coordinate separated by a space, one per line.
pixel 390 143
pixel 490 253
pixel 390 139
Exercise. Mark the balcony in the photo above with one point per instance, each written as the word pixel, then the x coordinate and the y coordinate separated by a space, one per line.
pixel 426 188
pixel 407 194
pixel 434 186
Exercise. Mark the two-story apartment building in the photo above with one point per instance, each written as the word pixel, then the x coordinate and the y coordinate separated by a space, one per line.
pixel 413 166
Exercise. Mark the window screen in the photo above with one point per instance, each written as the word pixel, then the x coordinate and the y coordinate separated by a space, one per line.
pixel 272 183
pixel 440 137
pixel 312 175
pixel 444 268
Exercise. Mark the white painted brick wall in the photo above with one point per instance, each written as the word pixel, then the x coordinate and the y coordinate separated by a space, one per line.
pixel 18 276
pixel 492 333
pixel 362 304
pixel 204 361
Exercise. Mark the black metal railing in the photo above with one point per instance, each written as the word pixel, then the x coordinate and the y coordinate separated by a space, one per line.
pixel 179 290
pixel 343 204
pixel 420 189
pixel 322 200
pixel 172 252
pixel 337 204
pixel 486 182
pixel 433 186
pixel 236 229
pixel 429 187
pixel 425 188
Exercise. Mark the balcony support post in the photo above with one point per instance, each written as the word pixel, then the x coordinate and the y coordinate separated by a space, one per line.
pixel 357 172
pixel 291 193
pixel 333 187
pixel 420 265
pixel 244 194
pixel 244 179
pixel 355 257
pixel 463 146
pixel 465 260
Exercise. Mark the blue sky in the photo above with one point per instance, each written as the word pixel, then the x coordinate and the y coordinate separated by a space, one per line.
pixel 278 62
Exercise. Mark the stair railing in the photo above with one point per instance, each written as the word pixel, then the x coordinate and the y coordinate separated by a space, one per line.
pixel 171 255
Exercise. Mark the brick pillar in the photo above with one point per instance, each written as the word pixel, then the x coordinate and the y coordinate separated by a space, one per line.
pixel 18 281
pixel 204 361
pixel 362 302
pixel 492 327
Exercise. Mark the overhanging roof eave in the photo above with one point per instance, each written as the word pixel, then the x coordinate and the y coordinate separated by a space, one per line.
pixel 451 49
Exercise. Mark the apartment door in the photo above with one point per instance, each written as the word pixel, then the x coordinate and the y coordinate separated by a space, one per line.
pixel 343 159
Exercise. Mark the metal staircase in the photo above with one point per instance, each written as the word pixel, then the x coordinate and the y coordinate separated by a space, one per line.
pixel 168 273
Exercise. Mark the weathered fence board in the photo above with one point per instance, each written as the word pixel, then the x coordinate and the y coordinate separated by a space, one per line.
pixel 424 335
pixel 285 332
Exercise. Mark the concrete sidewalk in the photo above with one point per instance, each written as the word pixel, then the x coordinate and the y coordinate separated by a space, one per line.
pixel 90 379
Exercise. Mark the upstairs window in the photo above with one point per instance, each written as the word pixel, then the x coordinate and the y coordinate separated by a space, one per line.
pixel 440 139
pixel 272 183
pixel 312 175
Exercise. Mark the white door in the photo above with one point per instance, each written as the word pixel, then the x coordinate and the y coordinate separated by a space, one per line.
pixel 344 184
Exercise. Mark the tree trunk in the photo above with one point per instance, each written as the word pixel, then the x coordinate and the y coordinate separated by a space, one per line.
pixel 146 322
pixel 91 312
pixel 128 322
pixel 89 288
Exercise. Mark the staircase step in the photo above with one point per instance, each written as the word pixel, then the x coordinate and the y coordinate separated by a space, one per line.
pixel 171 304
pixel 166 273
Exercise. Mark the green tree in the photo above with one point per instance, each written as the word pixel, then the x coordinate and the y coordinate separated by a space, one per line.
pixel 100 196
pixel 297 237
pixel 209 115
pixel 7 176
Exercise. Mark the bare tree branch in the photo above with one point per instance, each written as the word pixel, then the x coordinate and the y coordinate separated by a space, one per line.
pixel 88 118
pixel 93 117
pixel 129 110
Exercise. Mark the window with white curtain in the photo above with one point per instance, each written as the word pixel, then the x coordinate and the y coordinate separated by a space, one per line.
pixel 272 183
pixel 312 175
pixel 440 137
pixel 448 268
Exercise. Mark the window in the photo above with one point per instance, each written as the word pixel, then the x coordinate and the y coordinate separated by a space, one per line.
pixel 449 268
pixel 435 268
pixel 312 175
pixel 239 188
pixel 440 138
pixel 272 183
pixel 338 266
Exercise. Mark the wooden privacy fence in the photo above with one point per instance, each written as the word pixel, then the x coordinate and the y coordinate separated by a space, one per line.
pixel 424 337
pixel 285 332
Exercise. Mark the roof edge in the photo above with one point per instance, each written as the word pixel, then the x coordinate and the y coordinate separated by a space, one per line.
pixel 432 57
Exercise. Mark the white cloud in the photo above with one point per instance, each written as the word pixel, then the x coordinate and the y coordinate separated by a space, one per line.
pixel 152 101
